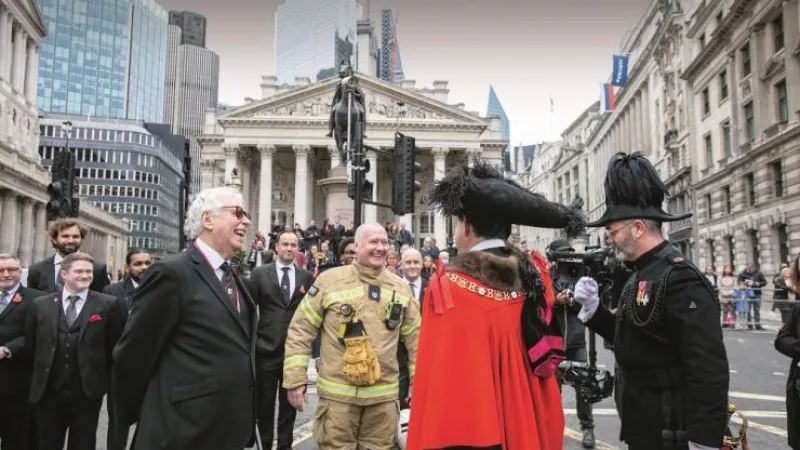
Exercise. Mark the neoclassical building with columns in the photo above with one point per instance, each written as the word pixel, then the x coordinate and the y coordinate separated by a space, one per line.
pixel 290 171
pixel 23 180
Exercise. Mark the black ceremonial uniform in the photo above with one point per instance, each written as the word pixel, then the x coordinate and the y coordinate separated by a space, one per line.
pixel 668 345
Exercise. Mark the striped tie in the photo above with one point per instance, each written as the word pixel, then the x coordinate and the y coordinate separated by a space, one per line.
pixel 229 284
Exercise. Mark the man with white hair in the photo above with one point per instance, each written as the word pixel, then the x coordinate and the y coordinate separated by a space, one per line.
pixel 184 367
pixel 362 312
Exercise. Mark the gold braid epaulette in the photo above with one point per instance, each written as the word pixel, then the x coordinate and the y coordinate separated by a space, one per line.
pixel 481 290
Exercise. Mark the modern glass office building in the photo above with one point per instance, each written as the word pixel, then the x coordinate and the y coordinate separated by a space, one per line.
pixel 128 168
pixel 313 36
pixel 103 58
pixel 495 108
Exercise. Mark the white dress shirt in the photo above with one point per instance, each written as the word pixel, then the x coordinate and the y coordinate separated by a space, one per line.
pixel 78 303
pixel 279 268
pixel 212 257
pixel 416 287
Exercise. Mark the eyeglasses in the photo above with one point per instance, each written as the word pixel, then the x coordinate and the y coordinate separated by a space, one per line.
pixel 238 211
pixel 10 270
pixel 612 233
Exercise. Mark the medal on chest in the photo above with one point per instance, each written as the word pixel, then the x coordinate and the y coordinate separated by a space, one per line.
pixel 643 294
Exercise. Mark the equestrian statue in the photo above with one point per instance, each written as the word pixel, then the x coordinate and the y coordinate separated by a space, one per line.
pixel 344 112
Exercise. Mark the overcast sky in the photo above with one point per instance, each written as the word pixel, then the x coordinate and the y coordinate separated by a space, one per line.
pixel 527 49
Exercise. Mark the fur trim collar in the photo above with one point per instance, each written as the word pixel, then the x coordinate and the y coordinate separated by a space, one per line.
pixel 498 272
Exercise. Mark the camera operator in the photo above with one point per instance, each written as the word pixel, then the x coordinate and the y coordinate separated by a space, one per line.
pixel 565 310
pixel 666 333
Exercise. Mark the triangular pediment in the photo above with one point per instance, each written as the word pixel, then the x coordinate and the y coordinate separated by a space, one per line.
pixel 34 15
pixel 382 104
pixel 775 65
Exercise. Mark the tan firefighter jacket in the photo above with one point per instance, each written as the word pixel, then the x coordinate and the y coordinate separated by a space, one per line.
pixel 336 295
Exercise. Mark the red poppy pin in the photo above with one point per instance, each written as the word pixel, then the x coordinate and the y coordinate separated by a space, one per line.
pixel 302 289
pixel 17 299
pixel 95 318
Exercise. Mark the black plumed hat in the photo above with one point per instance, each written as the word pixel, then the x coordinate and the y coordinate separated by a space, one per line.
pixel 634 191
pixel 482 192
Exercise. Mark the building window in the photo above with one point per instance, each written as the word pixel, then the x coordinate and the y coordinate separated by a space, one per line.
pixel 776 174
pixel 719 18
pixel 709 211
pixel 726 138
pixel 754 253
pixel 709 150
pixel 750 189
pixel 777 33
pixel 750 121
pixel 706 102
pixel 783 243
pixel 702 41
pixel 723 85
pixel 726 199
pixel 731 252
pixel 783 102
pixel 711 255
pixel 745 54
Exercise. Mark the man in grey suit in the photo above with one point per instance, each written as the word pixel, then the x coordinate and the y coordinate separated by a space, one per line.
pixel 277 288
pixel 184 368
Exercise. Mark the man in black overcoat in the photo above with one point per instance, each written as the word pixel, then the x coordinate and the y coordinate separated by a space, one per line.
pixel 666 332
pixel 185 365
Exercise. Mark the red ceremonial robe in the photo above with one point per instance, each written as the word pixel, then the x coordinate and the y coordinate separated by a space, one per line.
pixel 473 384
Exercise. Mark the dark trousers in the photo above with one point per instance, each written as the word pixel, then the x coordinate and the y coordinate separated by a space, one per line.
pixel 14 420
pixel 269 387
pixel 404 378
pixel 583 407
pixel 117 438
pixel 754 305
pixel 61 411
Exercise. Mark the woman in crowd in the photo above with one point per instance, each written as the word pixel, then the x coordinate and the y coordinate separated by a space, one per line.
pixel 788 343
pixel 726 283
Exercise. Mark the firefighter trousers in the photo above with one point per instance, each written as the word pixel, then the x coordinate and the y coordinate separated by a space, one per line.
pixel 342 426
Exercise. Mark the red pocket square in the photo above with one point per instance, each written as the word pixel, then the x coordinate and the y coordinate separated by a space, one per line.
pixel 302 290
pixel 95 318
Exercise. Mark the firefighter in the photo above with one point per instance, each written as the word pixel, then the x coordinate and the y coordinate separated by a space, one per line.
pixel 362 312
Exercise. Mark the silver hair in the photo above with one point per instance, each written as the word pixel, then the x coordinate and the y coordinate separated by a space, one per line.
pixel 360 230
pixel 6 257
pixel 208 201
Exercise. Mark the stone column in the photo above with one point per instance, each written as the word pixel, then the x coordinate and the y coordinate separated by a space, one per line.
pixel 31 71
pixel 334 154
pixel 5 43
pixel 40 239
pixel 206 174
pixel 301 184
pixel 791 9
pixel 736 110
pixel 761 99
pixel 8 240
pixel 473 153
pixel 371 211
pixel 231 155
pixel 18 64
pixel 267 151
pixel 439 168
pixel 245 158
pixel 26 233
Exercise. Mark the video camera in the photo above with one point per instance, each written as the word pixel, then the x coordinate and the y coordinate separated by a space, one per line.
pixel 591 383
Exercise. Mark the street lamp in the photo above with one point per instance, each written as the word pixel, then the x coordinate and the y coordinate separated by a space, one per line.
pixel 67 127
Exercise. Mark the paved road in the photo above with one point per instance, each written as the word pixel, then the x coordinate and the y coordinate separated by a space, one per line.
pixel 758 377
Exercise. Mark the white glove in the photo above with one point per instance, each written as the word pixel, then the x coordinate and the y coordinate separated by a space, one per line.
pixel 586 293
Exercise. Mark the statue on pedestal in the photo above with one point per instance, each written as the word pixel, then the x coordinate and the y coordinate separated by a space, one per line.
pixel 342 112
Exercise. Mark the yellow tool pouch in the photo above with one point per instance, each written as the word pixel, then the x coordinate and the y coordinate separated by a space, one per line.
pixel 360 366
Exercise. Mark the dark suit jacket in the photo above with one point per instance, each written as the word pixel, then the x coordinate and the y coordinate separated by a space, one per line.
pixel 123 291
pixel 275 312
pixel 96 341
pixel 184 367
pixel 42 276
pixel 15 372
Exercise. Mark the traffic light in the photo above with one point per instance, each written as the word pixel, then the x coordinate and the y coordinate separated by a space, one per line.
pixel 406 167
pixel 367 186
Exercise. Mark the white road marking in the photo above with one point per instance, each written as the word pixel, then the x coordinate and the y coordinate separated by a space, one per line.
pixel 769 429
pixel 772 398
pixel 578 436
pixel 748 414
pixel 301 434
pixel 780 374
pixel 732 371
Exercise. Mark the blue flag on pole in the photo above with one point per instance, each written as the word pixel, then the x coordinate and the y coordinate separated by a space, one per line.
pixel 619 74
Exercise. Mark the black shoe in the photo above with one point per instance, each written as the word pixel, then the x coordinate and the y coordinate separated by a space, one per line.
pixel 759 328
pixel 750 327
pixel 588 438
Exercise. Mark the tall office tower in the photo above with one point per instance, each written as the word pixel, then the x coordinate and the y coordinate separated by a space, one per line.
pixel 391 66
pixel 191 85
pixel 103 58
pixel 312 37
pixel 192 25
pixel 495 108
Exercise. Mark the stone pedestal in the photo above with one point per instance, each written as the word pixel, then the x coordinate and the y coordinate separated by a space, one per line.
pixel 337 203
